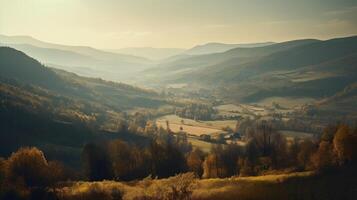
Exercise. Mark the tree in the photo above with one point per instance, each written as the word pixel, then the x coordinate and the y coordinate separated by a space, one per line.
pixel 194 162
pixel 230 155
pixel 324 158
pixel 345 145
pixel 166 159
pixel 57 172
pixel 213 167
pixel 307 148
pixel 246 168
pixel 96 163
pixel 293 152
pixel 29 166
pixel 278 152
pixel 127 161
pixel 329 132
pixel 210 166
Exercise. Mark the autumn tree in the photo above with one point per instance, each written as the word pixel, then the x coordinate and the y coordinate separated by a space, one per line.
pixel 345 145
pixel 306 150
pixel 29 166
pixel 128 162
pixel 278 154
pixel 230 155
pixel 212 166
pixel 324 157
pixel 96 162
pixel 166 159
pixel 194 162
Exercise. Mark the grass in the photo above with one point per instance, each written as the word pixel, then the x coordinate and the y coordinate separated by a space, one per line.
pixel 340 184
pixel 190 129
pixel 301 185
pixel 286 102
pixel 204 146
pixel 195 127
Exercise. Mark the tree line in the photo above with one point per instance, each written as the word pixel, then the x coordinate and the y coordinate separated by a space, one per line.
pixel 28 174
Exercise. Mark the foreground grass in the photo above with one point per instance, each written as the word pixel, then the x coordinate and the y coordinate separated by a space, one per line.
pixel 301 185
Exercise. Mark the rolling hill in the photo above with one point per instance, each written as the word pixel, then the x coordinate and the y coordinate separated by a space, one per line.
pixel 210 48
pixel 185 67
pixel 150 52
pixel 301 68
pixel 83 60
pixel 61 111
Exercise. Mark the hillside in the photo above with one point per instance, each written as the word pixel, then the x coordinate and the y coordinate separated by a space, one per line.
pixel 185 68
pixel 83 60
pixel 303 185
pixel 299 69
pixel 60 111
pixel 150 52
pixel 210 48
pixel 342 103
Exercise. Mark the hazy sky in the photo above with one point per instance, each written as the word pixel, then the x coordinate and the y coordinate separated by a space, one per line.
pixel 176 23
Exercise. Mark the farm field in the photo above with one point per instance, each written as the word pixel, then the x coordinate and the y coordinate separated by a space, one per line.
pixel 204 146
pixel 195 127
pixel 285 102
pixel 243 110
pixel 190 129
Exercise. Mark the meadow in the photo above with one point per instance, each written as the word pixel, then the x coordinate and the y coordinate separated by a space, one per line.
pixel 300 185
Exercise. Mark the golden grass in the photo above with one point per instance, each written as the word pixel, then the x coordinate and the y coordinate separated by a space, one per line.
pixel 244 187
pixel 202 145
pixel 193 130
pixel 195 127
pixel 227 188
pixel 217 124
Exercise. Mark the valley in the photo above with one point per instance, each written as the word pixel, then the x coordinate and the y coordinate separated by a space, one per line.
pixel 230 121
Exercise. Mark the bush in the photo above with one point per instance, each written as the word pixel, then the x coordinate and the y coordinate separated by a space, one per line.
pixel 28 166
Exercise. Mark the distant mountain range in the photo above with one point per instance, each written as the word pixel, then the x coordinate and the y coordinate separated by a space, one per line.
pixel 301 68
pixel 116 65
pixel 166 53
pixel 83 60
pixel 210 48
pixel 240 72
pixel 149 52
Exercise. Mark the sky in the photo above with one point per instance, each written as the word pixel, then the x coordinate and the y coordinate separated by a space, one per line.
pixel 113 24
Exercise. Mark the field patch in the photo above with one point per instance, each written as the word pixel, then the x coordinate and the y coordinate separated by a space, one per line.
pixel 195 127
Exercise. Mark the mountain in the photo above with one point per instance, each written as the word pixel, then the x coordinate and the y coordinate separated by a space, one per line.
pixel 12 64
pixel 210 48
pixel 186 66
pixel 299 69
pixel 18 66
pixel 60 111
pixel 84 50
pixel 83 60
pixel 149 52
pixel 344 101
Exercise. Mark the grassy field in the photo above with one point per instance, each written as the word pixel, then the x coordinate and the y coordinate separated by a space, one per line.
pixel 195 127
pixel 298 185
pixel 243 110
pixel 190 129
pixel 286 102
pixel 204 146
